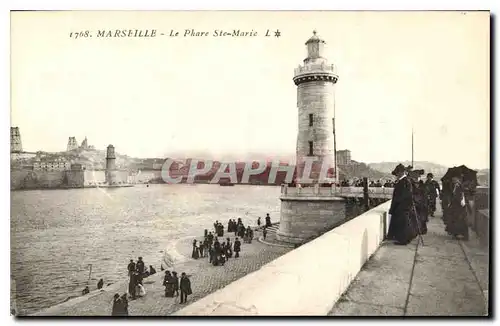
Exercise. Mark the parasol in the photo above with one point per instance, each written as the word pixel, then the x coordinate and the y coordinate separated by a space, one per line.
pixel 452 172
pixel 468 174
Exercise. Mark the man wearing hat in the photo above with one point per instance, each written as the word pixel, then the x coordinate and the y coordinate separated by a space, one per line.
pixel 432 191
pixel 401 227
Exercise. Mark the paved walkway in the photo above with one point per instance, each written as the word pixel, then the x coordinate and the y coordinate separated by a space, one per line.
pixel 205 279
pixel 443 277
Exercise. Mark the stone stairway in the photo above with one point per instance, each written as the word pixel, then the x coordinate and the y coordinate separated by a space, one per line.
pixel 271 237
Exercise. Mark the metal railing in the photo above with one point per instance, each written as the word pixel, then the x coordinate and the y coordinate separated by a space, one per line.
pixel 309 68
pixel 318 191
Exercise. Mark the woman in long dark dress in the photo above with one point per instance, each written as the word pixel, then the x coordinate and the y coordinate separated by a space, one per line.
pixel 457 220
pixel 168 282
pixel 196 252
pixel 421 206
pixel 124 305
pixel 115 310
pixel 402 227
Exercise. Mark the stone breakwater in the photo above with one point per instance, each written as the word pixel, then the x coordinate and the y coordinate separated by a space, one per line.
pixel 29 179
pixel 305 281
pixel 205 279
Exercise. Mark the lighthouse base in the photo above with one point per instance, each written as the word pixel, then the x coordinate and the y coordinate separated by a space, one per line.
pixel 303 219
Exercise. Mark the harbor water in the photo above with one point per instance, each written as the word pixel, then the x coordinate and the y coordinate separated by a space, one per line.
pixel 57 234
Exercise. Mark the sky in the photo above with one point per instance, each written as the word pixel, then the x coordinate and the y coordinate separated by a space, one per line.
pixel 150 97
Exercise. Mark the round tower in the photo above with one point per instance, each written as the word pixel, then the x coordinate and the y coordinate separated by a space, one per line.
pixel 315 81
pixel 110 165
pixel 307 212
pixel 15 140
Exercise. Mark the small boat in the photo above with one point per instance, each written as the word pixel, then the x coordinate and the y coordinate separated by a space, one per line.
pixel 226 184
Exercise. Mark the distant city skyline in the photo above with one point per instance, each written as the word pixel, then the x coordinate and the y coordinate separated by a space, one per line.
pixel 232 96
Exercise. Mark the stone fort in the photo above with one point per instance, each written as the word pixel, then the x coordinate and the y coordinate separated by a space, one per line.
pixel 59 172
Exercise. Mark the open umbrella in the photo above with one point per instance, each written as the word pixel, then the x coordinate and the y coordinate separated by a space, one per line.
pixel 452 172
pixel 468 174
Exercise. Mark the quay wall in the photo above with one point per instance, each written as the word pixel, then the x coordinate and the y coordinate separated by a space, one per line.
pixel 29 179
pixel 306 281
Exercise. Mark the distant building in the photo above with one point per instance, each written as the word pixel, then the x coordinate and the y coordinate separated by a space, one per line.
pixel 72 144
pixel 344 157
pixel 15 140
pixel 57 164
pixel 85 145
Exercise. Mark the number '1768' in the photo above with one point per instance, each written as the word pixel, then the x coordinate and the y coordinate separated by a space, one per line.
pixel 76 35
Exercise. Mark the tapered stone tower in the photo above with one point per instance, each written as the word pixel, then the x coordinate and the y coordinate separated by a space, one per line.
pixel 15 140
pixel 110 165
pixel 72 144
pixel 307 212
pixel 315 80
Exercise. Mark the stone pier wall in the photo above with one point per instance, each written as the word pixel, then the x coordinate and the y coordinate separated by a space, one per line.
pixel 305 218
pixel 317 274
pixel 29 179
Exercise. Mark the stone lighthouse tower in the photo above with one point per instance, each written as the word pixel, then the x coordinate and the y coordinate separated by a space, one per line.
pixel 110 165
pixel 315 81
pixel 307 212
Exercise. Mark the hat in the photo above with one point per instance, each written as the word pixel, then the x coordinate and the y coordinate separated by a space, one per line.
pixel 415 174
pixel 430 175
pixel 409 168
pixel 398 169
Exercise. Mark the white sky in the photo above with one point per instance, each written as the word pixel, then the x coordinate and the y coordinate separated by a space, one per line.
pixel 150 97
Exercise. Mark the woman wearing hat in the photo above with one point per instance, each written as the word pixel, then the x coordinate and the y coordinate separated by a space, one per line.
pixel 457 221
pixel 432 191
pixel 402 227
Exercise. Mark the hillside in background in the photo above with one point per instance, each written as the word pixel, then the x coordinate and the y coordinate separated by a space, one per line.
pixel 91 159
pixel 483 177
pixel 96 159
pixel 387 167
pixel 358 170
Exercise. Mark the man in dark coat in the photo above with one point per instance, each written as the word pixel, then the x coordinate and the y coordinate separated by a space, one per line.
pixel 140 266
pixel 185 285
pixel 401 227
pixel 217 247
pixel 432 190
pixel 152 270
pixel 237 248
pixel 131 285
pixel 131 267
pixel 211 254
pixel 210 238
pixel 268 220
pixel 100 284
pixel 175 281
pixel 228 248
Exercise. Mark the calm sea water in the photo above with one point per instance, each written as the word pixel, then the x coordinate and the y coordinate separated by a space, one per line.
pixel 56 234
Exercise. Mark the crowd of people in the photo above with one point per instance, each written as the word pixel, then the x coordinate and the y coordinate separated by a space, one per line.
pixel 137 272
pixel 172 285
pixel 371 183
pixel 218 252
pixel 414 201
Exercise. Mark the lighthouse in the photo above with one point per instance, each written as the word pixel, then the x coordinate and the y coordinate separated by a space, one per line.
pixel 311 209
pixel 315 81
pixel 110 165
